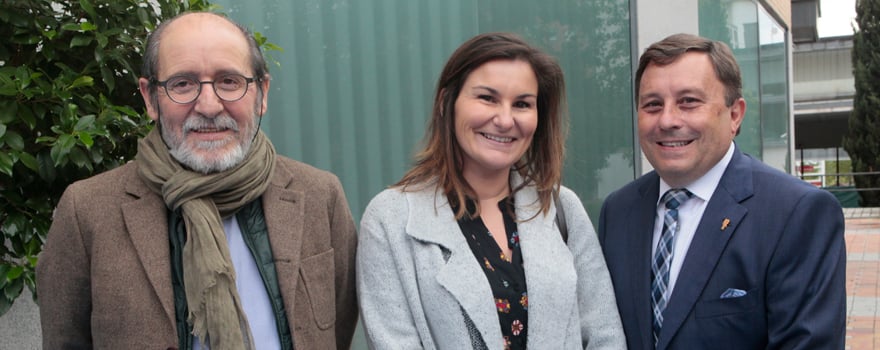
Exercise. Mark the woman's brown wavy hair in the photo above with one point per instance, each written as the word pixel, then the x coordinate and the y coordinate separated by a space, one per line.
pixel 440 161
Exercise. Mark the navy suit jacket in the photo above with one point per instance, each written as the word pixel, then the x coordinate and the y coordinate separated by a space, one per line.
pixel 783 245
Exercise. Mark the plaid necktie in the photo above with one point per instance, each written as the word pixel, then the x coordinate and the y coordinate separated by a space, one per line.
pixel 663 256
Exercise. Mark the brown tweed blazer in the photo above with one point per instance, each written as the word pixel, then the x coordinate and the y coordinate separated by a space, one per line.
pixel 104 276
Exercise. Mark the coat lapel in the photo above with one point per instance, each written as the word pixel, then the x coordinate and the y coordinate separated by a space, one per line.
pixel 549 271
pixel 146 220
pixel 708 244
pixel 432 221
pixel 283 211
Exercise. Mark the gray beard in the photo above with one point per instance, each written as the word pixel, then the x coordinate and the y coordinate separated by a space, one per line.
pixel 186 154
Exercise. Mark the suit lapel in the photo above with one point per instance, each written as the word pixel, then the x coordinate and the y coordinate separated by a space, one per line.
pixel 283 210
pixel 708 244
pixel 432 221
pixel 146 220
pixel 639 230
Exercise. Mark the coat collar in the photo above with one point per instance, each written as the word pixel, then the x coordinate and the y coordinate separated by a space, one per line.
pixel 284 210
pixel 146 219
pixel 549 269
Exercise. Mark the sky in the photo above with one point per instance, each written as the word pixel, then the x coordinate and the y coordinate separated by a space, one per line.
pixel 837 17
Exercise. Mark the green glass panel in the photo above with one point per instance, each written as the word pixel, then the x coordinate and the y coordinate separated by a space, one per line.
pixel 591 40
pixel 352 89
pixel 735 22
pixel 775 115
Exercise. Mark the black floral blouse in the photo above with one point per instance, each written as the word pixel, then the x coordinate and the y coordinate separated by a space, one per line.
pixel 505 273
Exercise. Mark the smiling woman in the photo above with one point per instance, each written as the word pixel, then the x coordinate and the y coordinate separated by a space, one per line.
pixel 454 242
pixel 496 115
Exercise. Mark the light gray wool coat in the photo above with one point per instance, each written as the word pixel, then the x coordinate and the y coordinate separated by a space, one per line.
pixel 420 286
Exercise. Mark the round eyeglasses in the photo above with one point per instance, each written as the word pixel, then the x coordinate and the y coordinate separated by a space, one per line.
pixel 186 89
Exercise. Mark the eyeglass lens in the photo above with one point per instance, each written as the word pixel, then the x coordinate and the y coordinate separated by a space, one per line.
pixel 184 89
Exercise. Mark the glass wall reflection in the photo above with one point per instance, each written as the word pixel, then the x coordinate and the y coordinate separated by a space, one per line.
pixel 352 90
pixel 775 113
pixel 759 44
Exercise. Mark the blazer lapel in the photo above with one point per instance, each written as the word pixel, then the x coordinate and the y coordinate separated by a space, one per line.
pixel 718 224
pixel 432 221
pixel 549 270
pixel 146 220
pixel 283 211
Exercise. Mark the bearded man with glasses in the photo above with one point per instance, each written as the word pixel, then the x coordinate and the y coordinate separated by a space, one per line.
pixel 208 239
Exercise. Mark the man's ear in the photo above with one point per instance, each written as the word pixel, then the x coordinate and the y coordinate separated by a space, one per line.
pixel 737 114
pixel 144 87
pixel 265 86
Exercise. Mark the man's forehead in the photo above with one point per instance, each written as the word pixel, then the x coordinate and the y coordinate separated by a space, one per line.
pixel 199 24
pixel 202 40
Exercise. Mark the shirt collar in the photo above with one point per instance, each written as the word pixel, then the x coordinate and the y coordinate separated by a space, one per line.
pixel 706 184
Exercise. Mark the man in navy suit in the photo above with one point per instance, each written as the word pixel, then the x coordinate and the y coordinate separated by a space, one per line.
pixel 748 257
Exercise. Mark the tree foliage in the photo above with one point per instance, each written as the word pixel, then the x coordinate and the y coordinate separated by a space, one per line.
pixel 69 108
pixel 863 141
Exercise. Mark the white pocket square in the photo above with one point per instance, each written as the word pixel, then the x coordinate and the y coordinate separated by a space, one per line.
pixel 733 293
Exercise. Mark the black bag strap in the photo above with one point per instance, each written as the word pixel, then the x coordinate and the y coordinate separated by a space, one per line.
pixel 560 217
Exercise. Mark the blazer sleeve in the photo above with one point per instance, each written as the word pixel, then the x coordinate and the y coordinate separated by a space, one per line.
pixel 344 241
pixel 63 283
pixel 806 287
pixel 381 280
pixel 601 327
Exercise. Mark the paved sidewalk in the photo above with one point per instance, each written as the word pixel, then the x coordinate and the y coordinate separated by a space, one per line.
pixel 862 272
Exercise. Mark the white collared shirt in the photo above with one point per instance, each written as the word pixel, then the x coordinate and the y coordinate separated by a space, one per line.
pixel 689 214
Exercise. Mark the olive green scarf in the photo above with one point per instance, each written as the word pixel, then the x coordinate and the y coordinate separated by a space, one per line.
pixel 215 310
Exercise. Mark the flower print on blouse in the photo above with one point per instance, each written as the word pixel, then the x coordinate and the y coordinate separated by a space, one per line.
pixel 505 274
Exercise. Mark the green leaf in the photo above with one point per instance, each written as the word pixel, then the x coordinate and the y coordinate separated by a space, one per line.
pixel 8 110
pixel 2 130
pixel 102 40
pixel 70 27
pixel 61 148
pixel 108 78
pixel 45 139
pixel 13 224
pixel 271 46
pixel 5 304
pixel 14 273
pixel 14 140
pixel 6 164
pixel 47 167
pixel 66 141
pixel 29 161
pixel 23 77
pixel 81 81
pixel 85 123
pixel 86 139
pixel 26 115
pixel 89 8
pixel 87 26
pixel 4 268
pixel 78 157
pixel 50 34
pixel 13 289
pixel 80 40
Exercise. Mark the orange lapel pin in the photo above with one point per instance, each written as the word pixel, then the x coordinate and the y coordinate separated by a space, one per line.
pixel 724 224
